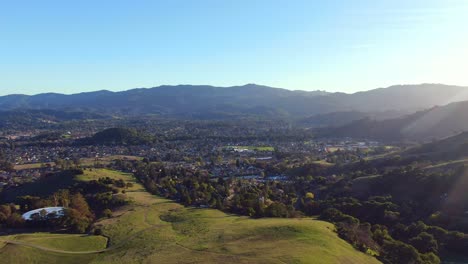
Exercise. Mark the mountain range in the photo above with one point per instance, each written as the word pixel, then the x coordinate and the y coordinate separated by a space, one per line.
pixel 190 101
pixel 402 112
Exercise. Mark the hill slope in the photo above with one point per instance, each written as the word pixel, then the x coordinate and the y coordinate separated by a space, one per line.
pixel 455 147
pixel 435 123
pixel 119 136
pixel 155 230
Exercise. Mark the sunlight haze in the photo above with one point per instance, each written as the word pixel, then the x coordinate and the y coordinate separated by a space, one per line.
pixel 346 46
pixel 246 131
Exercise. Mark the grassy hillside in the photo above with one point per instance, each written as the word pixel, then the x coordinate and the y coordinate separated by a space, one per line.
pixel 67 242
pixel 49 247
pixel 156 230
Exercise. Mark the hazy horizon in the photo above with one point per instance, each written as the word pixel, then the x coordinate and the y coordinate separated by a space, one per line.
pixel 85 46
pixel 221 87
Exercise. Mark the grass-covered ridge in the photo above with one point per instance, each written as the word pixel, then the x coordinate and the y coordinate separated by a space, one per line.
pixel 156 230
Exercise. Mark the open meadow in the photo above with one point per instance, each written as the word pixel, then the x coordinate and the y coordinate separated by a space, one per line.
pixel 155 230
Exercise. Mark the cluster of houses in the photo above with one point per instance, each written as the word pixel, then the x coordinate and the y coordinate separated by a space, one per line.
pixel 214 155
pixel 21 176
pixel 350 145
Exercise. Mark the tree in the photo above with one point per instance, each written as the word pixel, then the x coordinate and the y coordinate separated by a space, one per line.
pixel 425 243
pixel 5 210
pixel 309 195
pixel 430 258
pixel 332 215
pixel 276 209
pixel 79 203
pixel 43 214
pixel 75 221
pixel 28 202
pixel 107 213
pixel 15 220
pixel 63 197
pixel 398 252
pixel 3 218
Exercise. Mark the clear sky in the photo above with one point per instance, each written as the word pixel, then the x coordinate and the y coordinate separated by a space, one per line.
pixel 76 46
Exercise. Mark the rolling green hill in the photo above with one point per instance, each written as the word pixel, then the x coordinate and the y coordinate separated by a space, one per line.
pixel 156 230
pixel 119 136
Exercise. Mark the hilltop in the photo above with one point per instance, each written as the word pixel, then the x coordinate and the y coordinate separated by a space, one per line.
pixel 152 229
pixel 119 136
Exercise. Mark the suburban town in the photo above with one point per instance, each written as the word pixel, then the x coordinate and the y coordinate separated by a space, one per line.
pixel 242 154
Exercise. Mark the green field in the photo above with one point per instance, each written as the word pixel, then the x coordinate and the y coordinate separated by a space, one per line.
pixel 95 174
pixel 254 148
pixel 156 230
pixel 32 166
pixel 323 162
pixel 107 160
pixel 84 162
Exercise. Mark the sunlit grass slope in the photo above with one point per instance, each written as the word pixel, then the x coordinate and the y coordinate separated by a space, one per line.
pixel 156 230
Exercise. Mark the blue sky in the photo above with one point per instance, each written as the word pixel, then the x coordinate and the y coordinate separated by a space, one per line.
pixel 76 46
